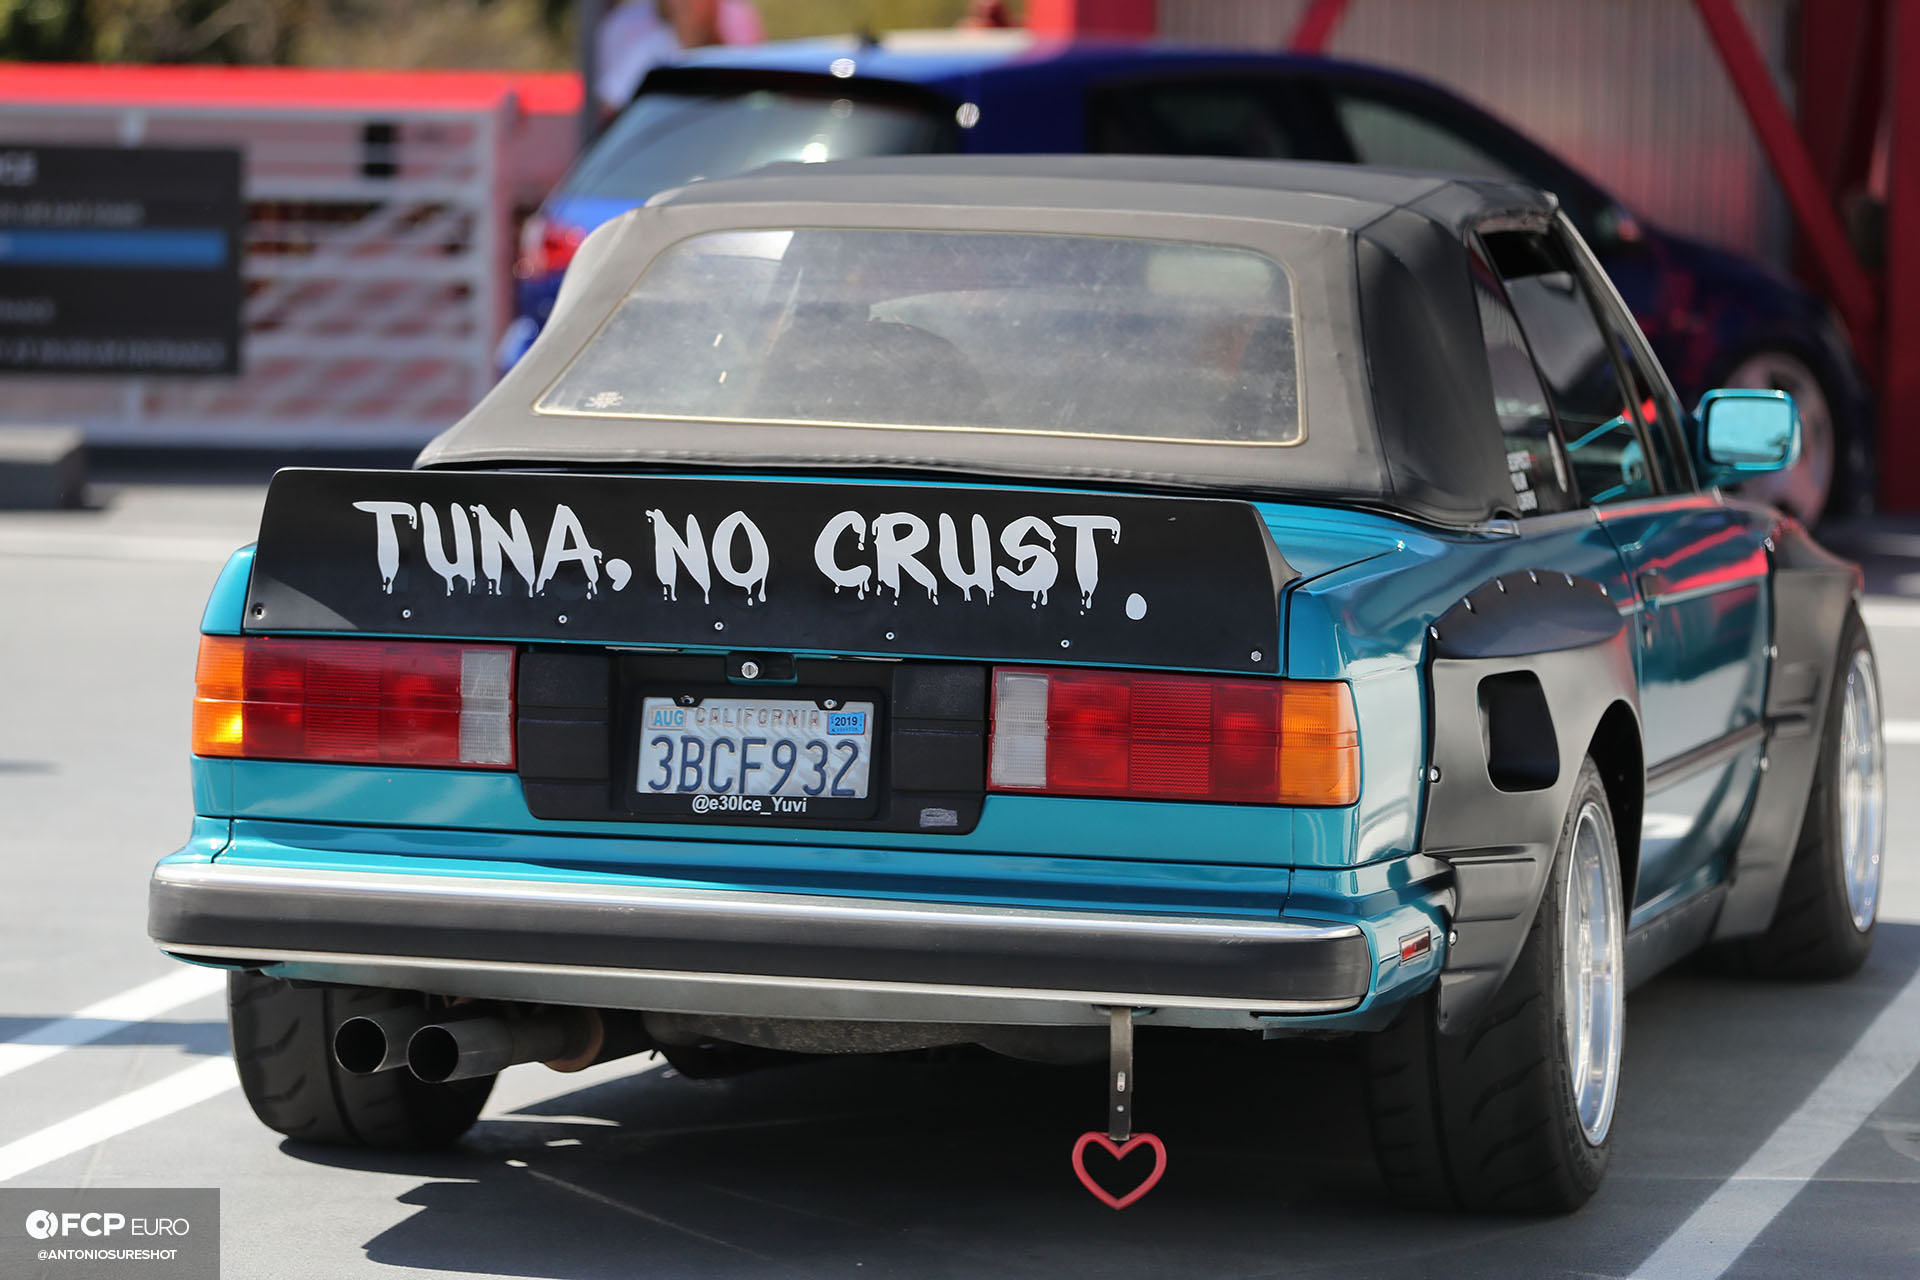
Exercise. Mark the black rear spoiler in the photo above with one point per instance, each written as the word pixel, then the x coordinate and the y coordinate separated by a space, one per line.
pixel 888 570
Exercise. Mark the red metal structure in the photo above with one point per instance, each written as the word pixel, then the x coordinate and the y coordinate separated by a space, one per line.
pixel 1900 375
pixel 1317 25
pixel 1092 17
pixel 1856 137
pixel 1846 283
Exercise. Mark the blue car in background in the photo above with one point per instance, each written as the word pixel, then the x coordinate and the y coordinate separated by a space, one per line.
pixel 1714 318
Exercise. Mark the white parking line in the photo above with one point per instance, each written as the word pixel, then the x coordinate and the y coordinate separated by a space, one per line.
pixel 1712 1240
pixel 162 1098
pixel 1901 733
pixel 1886 611
pixel 215 1076
pixel 106 1017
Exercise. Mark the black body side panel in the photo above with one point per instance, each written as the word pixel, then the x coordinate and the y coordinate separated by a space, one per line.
pixel 1523 672
pixel 1812 591
pixel 1672 935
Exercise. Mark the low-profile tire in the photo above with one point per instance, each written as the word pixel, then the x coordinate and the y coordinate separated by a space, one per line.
pixel 1514 1114
pixel 1823 926
pixel 283 1047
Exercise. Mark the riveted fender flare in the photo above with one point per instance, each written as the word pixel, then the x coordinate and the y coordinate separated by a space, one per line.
pixel 1520 675
pixel 1812 591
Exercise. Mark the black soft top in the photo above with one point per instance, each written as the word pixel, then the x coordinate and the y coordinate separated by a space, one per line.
pixel 1399 411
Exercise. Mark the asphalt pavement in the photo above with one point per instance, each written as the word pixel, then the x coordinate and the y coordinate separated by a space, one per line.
pixel 1764 1129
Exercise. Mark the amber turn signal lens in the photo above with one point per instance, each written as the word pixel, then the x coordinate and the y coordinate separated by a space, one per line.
pixel 219 723
pixel 1319 744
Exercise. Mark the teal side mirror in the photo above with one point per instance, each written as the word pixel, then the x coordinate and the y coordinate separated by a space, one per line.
pixel 1745 433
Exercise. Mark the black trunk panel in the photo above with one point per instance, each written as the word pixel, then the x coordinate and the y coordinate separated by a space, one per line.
pixel 577 737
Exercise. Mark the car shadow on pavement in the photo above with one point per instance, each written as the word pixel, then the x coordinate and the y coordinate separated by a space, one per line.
pixel 957 1164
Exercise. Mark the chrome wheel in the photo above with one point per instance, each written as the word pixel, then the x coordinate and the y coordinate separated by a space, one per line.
pixel 1592 969
pixel 1863 789
pixel 1804 489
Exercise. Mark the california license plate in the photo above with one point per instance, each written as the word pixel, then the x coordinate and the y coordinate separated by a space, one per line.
pixel 768 755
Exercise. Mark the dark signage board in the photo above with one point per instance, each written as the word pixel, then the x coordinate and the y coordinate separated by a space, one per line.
pixel 120 260
pixel 1031 575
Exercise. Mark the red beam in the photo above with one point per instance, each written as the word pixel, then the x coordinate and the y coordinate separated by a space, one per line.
pixel 1314 32
pixel 1841 53
pixel 1900 382
pixel 1841 73
pixel 137 85
pixel 1847 282
pixel 1092 17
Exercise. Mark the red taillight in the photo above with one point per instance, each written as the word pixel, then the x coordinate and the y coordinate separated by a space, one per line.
pixel 546 246
pixel 1163 737
pixel 388 702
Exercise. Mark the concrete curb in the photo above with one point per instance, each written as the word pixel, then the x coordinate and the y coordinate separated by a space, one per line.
pixel 42 467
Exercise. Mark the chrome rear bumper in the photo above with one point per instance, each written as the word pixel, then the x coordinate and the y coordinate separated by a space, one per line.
pixel 751 954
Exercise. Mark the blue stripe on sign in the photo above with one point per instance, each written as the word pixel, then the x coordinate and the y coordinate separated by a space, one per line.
pixel 156 247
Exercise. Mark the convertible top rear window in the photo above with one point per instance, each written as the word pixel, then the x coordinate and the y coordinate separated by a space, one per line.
pixel 1097 336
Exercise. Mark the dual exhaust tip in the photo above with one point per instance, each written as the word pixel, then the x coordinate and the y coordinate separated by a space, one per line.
pixel 438 1049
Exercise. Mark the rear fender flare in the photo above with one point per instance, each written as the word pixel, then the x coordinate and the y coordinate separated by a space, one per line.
pixel 1812 591
pixel 1522 676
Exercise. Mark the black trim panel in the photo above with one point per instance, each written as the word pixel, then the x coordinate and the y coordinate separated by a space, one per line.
pixel 1673 935
pixel 1530 612
pixel 1703 757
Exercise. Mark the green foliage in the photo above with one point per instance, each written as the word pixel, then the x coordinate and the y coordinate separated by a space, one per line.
pixel 377 33
pixel 786 19
pixel 44 31
pixel 150 30
pixel 518 35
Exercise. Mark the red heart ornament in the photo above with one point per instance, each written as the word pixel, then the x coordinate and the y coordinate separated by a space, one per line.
pixel 1118 1150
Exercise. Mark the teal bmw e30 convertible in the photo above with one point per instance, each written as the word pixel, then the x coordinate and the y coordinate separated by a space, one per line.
pixel 1008 601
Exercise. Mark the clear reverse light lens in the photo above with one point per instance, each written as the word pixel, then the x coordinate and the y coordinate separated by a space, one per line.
pixel 486 706
pixel 1019 730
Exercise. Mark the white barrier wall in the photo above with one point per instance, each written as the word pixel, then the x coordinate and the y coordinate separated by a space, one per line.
pixel 377 273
